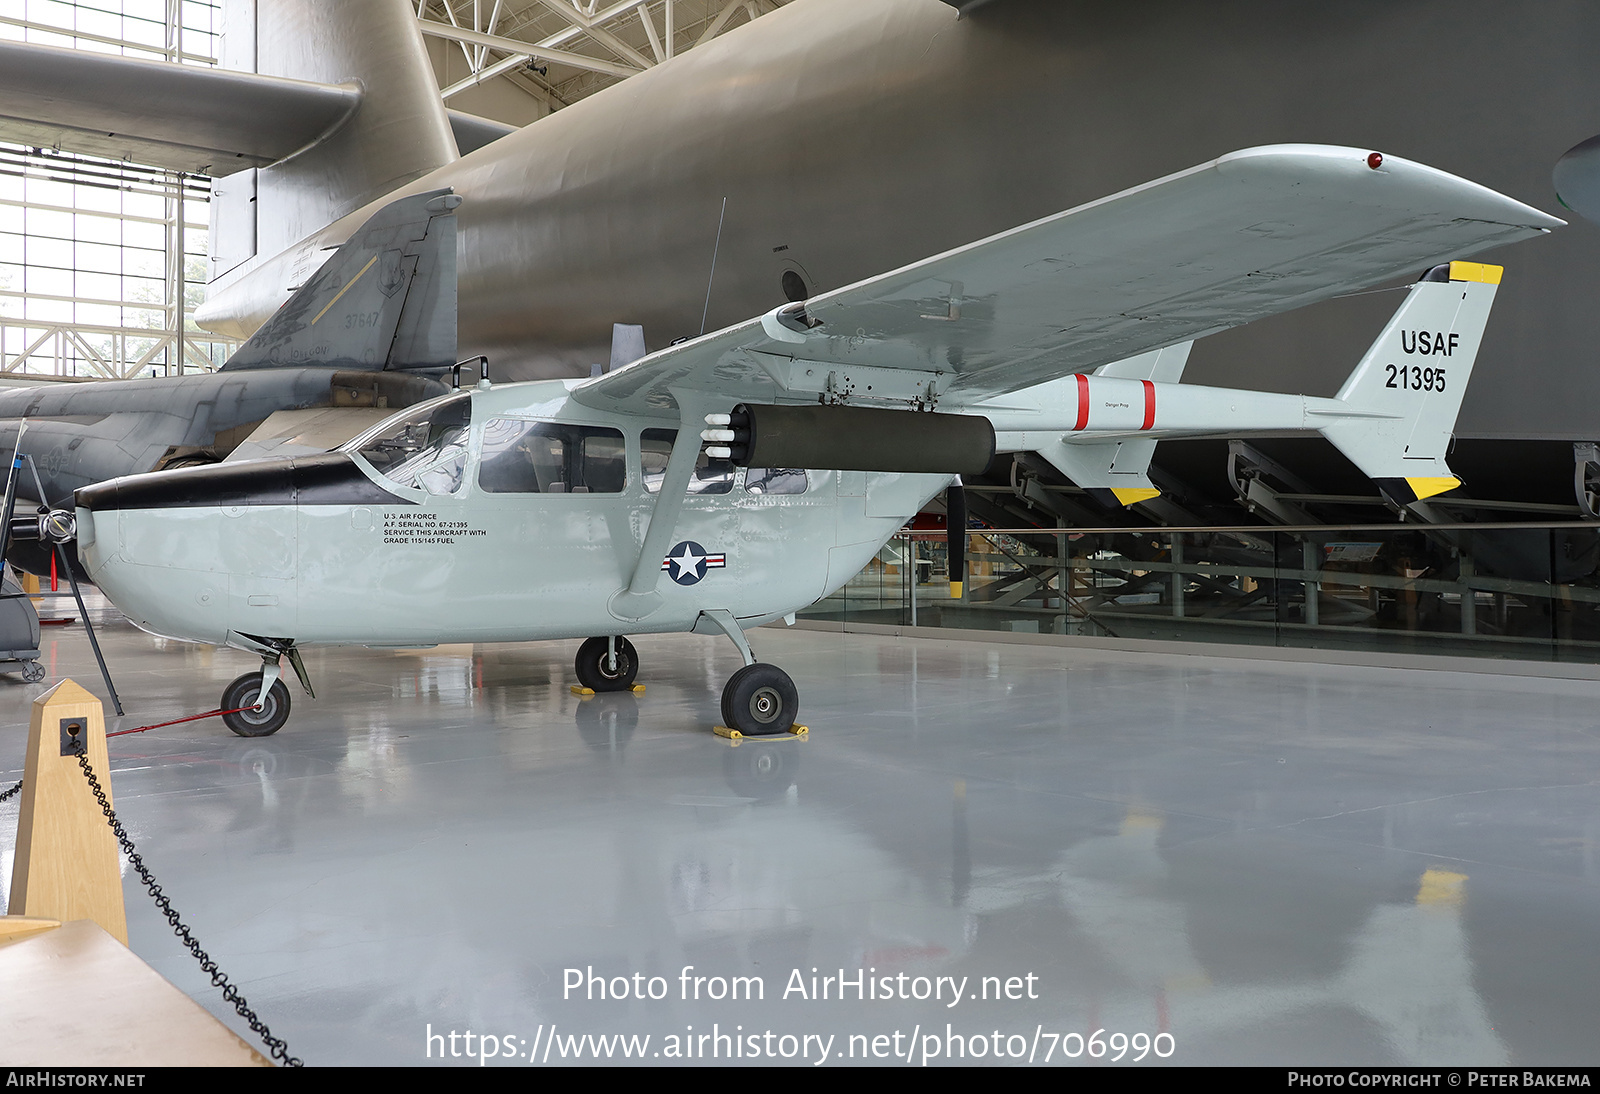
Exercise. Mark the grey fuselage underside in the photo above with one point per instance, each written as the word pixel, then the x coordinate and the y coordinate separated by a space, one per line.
pixel 850 138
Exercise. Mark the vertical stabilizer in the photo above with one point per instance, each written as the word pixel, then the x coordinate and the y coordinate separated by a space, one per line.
pixel 1403 398
pixel 398 133
pixel 385 300
pixel 1161 366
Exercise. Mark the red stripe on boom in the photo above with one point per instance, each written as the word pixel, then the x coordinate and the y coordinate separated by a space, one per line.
pixel 1083 401
pixel 1149 404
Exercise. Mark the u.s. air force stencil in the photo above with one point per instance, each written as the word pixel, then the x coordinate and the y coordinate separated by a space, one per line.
pixel 688 562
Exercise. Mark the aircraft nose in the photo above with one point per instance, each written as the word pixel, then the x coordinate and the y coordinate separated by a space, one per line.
pixel 258 482
pixel 330 478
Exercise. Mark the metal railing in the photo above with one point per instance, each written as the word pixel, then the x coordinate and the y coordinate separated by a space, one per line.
pixel 1511 590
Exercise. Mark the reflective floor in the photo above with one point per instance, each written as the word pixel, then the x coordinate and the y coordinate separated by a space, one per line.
pixel 1209 861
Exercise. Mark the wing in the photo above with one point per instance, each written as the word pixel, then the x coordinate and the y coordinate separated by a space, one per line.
pixel 1249 235
pixel 209 121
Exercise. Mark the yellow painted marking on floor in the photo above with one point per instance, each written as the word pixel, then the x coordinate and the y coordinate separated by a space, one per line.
pixel 1133 495
pixel 1440 886
pixel 1134 822
pixel 1427 488
pixel 1476 271
pixel 346 289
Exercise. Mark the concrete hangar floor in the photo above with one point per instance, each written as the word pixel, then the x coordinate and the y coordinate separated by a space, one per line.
pixel 1224 861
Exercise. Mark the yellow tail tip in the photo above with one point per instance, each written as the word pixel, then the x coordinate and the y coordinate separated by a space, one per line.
pixel 1133 495
pixel 1427 488
pixel 1476 271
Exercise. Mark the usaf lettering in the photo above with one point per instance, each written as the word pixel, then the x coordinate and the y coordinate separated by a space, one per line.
pixel 1420 341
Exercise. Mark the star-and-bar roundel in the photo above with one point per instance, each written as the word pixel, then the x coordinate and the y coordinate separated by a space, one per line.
pixel 688 562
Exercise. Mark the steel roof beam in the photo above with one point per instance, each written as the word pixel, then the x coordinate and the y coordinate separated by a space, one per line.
pixel 527 49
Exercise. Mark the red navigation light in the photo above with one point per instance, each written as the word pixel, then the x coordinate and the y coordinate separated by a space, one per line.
pixel 1375 160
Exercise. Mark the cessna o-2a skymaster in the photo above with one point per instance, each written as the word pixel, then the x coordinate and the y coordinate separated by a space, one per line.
pixel 668 495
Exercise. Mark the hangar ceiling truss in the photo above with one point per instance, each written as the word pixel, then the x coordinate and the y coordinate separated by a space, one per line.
pixel 559 51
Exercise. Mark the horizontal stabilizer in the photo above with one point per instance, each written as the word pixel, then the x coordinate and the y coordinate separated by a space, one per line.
pixel 304 432
pixel 1397 411
pixel 204 120
pixel 385 300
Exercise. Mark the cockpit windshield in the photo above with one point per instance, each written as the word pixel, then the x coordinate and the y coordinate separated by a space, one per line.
pixel 424 448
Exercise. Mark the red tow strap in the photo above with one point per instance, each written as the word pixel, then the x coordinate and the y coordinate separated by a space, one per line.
pixel 176 721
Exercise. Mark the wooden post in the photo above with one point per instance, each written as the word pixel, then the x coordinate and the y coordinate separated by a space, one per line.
pixel 66 860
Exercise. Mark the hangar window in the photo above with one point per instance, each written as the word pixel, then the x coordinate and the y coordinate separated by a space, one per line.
pixel 425 448
pixel 551 458
pixel 655 448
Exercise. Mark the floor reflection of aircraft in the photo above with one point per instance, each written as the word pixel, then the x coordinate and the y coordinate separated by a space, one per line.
pixel 1408 968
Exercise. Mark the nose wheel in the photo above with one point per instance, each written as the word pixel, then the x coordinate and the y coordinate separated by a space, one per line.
pixel 760 699
pixel 606 664
pixel 255 720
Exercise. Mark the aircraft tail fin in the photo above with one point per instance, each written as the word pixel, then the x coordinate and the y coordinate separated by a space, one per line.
pixel 1400 404
pixel 397 133
pixel 1163 366
pixel 385 300
pixel 1112 472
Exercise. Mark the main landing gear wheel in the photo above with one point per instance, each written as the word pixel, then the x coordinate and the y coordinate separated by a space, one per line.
pixel 760 699
pixel 264 722
pixel 597 674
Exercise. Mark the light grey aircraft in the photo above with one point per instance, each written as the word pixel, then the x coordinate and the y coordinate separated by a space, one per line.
pixel 668 495
pixel 373 330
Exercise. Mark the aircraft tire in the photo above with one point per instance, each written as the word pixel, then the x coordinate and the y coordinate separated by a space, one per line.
pixel 32 671
pixel 590 665
pixel 255 723
pixel 760 699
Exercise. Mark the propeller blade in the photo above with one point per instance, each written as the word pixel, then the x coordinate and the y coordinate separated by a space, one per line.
pixel 955 532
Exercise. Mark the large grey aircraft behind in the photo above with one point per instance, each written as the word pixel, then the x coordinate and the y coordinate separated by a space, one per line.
pixel 372 333
pixel 847 137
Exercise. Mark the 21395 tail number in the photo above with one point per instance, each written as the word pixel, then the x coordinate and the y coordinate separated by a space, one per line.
pixel 1415 378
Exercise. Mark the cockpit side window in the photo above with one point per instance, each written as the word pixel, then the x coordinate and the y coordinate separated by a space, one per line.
pixel 521 457
pixel 775 480
pixel 425 449
pixel 655 448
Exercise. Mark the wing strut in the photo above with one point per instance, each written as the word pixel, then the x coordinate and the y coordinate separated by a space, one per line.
pixel 640 598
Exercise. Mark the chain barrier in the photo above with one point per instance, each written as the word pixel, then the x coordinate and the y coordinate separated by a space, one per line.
pixel 279 1049
pixel 9 794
